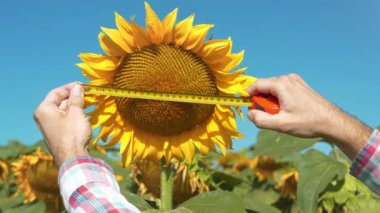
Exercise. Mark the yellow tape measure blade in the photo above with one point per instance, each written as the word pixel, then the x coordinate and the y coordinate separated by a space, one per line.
pixel 163 96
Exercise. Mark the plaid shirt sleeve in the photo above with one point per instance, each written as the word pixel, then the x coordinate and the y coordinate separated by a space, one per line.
pixel 88 185
pixel 366 166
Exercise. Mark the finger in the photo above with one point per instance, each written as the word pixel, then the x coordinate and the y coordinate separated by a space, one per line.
pixel 263 120
pixel 64 105
pixel 264 85
pixel 59 94
pixel 76 99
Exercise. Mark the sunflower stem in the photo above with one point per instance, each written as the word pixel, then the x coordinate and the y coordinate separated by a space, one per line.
pixel 167 179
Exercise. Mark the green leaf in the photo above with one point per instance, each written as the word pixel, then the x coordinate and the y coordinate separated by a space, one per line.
pixel 13 149
pixel 268 196
pixel 328 205
pixel 274 144
pixel 226 181
pixel 368 206
pixel 9 202
pixel 178 210
pixel 138 201
pixel 261 200
pixel 36 206
pixel 216 201
pixel 181 210
pixel 260 207
pixel 316 172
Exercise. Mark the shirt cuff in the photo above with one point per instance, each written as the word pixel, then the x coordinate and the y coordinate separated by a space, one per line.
pixel 364 156
pixel 84 170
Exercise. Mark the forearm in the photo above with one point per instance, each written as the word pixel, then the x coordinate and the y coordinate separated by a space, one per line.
pixel 347 132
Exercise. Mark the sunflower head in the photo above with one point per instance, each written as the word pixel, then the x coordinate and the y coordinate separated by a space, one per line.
pixel 36 176
pixel 230 159
pixel 288 184
pixel 165 57
pixel 187 182
pixel 242 164
pixel 265 166
pixel 4 170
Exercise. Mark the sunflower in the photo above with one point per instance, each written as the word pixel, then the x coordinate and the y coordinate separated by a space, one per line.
pixel 4 170
pixel 36 176
pixel 187 183
pixel 165 57
pixel 288 184
pixel 265 166
pixel 229 160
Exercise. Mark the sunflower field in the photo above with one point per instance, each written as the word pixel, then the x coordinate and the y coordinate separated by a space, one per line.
pixel 279 173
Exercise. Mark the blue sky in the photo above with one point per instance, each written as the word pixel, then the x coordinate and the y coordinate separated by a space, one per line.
pixel 333 44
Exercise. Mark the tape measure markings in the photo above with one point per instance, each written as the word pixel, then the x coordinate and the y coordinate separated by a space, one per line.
pixel 164 96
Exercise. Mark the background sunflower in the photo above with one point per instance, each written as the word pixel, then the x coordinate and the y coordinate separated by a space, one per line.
pixel 37 177
pixel 4 170
pixel 165 57
pixel 189 181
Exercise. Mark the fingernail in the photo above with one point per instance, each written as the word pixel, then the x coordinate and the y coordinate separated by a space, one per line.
pixel 77 90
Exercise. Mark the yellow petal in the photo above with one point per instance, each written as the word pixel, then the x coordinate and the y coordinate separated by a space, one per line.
pixel 154 26
pixel 176 152
pixel 104 132
pixel 226 117
pixel 196 37
pixel 99 82
pixel 102 113
pixel 182 30
pixel 215 51
pixel 125 140
pixel 100 62
pixel 188 150
pixel 96 74
pixel 247 80
pixel 139 150
pixel 116 135
pixel 240 113
pixel 92 100
pixel 236 86
pixel 167 151
pixel 223 139
pixel 229 77
pixel 109 46
pixel 116 37
pixel 140 36
pixel 125 30
pixel 229 63
pixel 168 24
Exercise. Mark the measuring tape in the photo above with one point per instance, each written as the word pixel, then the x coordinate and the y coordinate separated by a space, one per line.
pixel 267 103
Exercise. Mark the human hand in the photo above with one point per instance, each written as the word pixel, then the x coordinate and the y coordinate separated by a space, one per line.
pixel 305 113
pixel 63 123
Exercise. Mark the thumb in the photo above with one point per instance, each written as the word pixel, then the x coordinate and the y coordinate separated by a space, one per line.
pixel 76 98
pixel 262 119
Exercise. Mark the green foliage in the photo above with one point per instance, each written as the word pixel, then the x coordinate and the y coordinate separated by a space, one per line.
pixel 258 200
pixel 217 201
pixel 324 184
pixel 316 172
pixel 348 193
pixel 14 149
pixel 277 145
pixel 226 181
pixel 138 201
pixel 36 206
